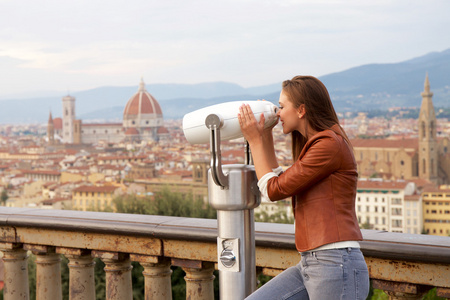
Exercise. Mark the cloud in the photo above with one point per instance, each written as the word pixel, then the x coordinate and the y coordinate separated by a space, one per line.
pixel 90 43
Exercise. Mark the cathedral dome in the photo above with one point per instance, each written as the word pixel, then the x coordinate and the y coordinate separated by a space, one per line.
pixel 142 110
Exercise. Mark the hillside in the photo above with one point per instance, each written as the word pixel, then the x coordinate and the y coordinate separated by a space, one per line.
pixel 367 87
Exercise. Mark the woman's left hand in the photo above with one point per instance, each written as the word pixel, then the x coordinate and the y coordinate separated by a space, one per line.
pixel 251 129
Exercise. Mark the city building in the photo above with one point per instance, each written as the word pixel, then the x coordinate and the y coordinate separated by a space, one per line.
pixel 389 205
pixel 142 120
pixel 426 157
pixel 436 210
pixel 94 198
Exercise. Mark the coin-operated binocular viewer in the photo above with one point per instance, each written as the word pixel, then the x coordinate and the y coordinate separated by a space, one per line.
pixel 233 192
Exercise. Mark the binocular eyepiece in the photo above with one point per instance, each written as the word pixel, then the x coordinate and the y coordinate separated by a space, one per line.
pixel 196 131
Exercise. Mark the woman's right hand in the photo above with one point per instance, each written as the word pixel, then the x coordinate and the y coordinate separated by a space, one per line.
pixel 250 128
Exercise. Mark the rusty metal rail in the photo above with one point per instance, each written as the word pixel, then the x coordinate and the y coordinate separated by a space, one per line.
pixel 404 265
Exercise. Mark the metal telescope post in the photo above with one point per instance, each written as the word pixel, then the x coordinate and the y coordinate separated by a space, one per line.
pixel 234 193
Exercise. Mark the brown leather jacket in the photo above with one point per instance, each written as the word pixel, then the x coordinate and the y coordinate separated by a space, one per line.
pixel 322 184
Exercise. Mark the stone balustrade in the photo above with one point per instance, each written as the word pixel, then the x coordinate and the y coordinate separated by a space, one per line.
pixel 404 265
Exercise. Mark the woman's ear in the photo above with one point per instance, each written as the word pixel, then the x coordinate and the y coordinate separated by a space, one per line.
pixel 301 111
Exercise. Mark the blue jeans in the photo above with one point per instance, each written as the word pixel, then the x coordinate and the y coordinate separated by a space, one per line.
pixel 320 275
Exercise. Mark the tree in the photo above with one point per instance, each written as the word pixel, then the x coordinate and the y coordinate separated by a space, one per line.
pixel 280 216
pixel 366 225
pixel 4 196
pixel 165 203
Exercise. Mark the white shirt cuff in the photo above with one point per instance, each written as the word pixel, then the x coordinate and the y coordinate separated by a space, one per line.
pixel 262 182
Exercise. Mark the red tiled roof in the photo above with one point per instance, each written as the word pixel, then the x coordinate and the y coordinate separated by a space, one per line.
pixel 101 124
pixel 383 143
pixel 95 189
pixel 369 184
pixel 57 123
pixel 43 172
pixel 142 103
pixel 131 131
pixel 162 130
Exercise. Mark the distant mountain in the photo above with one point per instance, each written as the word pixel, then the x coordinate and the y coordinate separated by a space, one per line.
pixel 373 86
pixel 380 86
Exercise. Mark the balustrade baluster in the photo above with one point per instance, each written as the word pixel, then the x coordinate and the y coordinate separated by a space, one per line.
pixel 157 274
pixel 118 274
pixel 48 272
pixel 401 290
pixel 15 260
pixel 81 273
pixel 199 278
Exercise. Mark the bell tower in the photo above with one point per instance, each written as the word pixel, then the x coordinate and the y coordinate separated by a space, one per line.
pixel 68 103
pixel 50 130
pixel 428 147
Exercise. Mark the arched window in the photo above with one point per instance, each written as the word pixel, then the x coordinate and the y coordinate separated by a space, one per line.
pixel 432 167
pixel 424 167
pixel 423 130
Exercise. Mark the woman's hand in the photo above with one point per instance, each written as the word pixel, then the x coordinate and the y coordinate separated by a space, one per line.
pixel 259 139
pixel 251 129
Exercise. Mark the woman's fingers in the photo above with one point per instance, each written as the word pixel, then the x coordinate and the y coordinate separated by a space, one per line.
pixel 245 115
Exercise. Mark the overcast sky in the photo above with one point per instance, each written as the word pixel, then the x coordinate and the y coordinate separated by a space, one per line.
pixel 60 45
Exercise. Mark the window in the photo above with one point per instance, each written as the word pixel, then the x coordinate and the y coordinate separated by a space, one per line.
pixel 396 223
pixel 423 130
pixel 396 211
pixel 424 169
pixel 397 201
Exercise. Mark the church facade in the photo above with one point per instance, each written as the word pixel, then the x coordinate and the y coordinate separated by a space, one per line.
pixel 427 157
pixel 142 120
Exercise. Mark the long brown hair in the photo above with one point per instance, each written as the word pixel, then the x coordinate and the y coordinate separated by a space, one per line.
pixel 320 113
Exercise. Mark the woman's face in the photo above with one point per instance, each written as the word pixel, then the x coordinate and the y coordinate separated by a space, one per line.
pixel 289 115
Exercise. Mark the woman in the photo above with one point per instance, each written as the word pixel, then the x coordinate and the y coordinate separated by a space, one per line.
pixel 322 183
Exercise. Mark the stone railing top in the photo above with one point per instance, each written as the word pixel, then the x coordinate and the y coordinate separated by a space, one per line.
pixel 383 244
